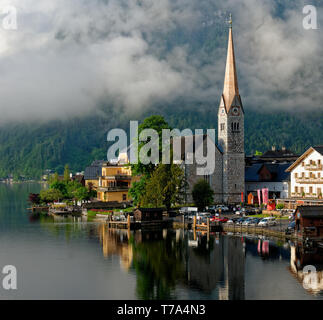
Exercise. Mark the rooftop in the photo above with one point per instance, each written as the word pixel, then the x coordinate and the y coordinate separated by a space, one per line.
pixel 277 170
pixel 310 211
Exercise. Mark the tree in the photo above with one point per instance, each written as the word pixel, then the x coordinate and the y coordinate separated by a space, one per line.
pixel 53 178
pixel 51 195
pixel 137 190
pixel 157 123
pixel 66 173
pixel 82 194
pixel 202 194
pixel 34 198
pixel 71 187
pixel 61 186
pixel 165 187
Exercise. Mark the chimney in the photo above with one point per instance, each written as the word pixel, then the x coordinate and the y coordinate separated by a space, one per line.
pixel 273 148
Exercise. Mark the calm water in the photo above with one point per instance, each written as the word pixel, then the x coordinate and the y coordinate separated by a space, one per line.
pixel 75 259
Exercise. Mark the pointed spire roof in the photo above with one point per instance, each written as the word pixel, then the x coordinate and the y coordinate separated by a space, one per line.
pixel 230 90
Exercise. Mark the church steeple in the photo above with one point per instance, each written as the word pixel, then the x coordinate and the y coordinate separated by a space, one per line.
pixel 231 130
pixel 230 89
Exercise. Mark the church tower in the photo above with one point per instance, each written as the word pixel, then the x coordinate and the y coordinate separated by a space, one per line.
pixel 231 130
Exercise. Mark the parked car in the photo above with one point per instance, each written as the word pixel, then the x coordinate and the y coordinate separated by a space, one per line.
pixel 241 220
pixel 290 228
pixel 254 222
pixel 221 219
pixel 269 221
pixel 247 221
pixel 232 220
pixel 183 210
pixel 224 208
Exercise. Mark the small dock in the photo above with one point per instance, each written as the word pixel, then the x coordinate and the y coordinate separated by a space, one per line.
pixel 135 225
pixel 38 209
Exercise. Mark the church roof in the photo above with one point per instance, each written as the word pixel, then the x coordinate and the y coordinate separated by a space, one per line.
pixel 231 94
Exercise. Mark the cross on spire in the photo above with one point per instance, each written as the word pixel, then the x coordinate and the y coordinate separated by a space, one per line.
pixel 230 20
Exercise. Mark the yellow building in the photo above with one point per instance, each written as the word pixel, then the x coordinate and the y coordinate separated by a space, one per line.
pixel 93 173
pixel 114 183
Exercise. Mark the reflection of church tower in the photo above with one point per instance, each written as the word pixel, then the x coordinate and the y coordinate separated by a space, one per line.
pixel 231 130
pixel 236 269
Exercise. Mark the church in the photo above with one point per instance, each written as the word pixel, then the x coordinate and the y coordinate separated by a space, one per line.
pixel 228 178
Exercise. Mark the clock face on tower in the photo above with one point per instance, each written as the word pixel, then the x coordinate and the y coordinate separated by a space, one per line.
pixel 235 111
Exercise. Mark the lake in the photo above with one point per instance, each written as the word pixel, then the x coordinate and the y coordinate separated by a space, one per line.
pixel 70 258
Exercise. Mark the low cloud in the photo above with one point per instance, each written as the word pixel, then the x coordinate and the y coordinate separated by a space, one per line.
pixel 68 56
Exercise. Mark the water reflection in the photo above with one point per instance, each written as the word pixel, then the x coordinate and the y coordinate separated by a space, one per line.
pixel 71 258
pixel 165 259
pixel 302 257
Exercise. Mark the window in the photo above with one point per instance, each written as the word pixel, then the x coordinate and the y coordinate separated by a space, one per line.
pixel 124 197
pixel 235 126
pixel 311 189
pixel 296 189
pixel 295 175
pixel 303 164
pixel 222 126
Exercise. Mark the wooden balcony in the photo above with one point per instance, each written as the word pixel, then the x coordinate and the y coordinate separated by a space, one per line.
pixel 113 189
pixel 307 195
pixel 308 180
pixel 313 167
pixel 117 177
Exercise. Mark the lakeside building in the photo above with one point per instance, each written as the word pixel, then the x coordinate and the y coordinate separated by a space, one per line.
pixel 115 182
pixel 309 221
pixel 272 176
pixel 307 174
pixel 112 180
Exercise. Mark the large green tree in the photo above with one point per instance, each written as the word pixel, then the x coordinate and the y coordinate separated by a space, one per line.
pixel 202 194
pixel 139 189
pixel 51 195
pixel 165 187
pixel 158 123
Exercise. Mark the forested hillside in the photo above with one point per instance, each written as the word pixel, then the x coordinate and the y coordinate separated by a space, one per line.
pixel 29 149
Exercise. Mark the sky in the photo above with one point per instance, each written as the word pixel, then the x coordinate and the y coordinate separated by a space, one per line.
pixel 69 56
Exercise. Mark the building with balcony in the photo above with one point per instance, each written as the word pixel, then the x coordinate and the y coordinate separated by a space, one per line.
pixel 115 182
pixel 307 174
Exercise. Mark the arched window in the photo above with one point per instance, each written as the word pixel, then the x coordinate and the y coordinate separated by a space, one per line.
pixel 238 126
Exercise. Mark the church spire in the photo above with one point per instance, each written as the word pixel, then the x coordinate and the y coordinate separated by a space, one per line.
pixel 230 89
